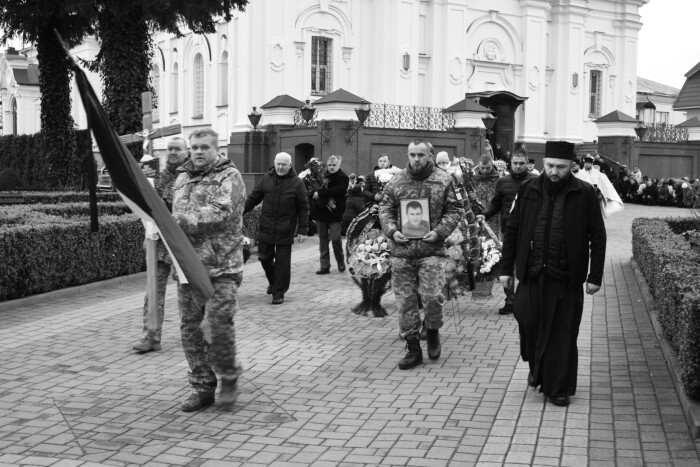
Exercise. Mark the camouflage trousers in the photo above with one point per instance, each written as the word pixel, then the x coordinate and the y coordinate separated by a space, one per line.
pixel 411 278
pixel 162 274
pixel 208 336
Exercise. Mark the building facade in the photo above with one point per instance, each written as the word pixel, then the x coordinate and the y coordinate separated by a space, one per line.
pixel 559 63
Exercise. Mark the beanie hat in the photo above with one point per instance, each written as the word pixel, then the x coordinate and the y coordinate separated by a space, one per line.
pixel 559 150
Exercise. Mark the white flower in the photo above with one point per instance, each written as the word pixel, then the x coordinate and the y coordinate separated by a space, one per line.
pixel 385 246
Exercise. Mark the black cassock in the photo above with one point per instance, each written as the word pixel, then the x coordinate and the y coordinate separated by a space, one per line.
pixel 549 314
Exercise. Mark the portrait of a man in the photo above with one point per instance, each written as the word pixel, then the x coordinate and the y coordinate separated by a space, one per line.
pixel 415 218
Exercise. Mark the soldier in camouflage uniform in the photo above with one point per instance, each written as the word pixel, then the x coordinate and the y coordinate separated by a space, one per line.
pixel 177 155
pixel 415 264
pixel 208 201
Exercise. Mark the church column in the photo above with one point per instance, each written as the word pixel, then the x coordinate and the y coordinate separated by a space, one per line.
pixel 567 42
pixel 531 128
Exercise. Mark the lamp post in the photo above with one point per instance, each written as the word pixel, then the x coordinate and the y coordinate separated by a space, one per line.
pixel 489 123
pixel 640 130
pixel 254 118
pixel 307 113
pixel 362 113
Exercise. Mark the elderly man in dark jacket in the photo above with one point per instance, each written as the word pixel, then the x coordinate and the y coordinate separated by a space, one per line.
pixel 555 225
pixel 506 189
pixel 327 210
pixel 285 212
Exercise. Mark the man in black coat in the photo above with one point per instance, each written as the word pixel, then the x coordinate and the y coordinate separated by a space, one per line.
pixel 555 225
pixel 327 210
pixel 506 189
pixel 285 207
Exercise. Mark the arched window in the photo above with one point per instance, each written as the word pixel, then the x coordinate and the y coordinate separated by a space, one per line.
pixel 155 82
pixel 174 89
pixel 13 106
pixel 223 79
pixel 198 87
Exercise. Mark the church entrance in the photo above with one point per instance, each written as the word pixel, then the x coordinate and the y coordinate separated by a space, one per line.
pixel 503 105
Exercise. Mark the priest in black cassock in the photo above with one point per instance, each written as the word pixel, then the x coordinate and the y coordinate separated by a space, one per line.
pixel 554 228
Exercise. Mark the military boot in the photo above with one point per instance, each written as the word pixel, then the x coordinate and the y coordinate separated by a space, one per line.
pixel 434 348
pixel 414 354
pixel 229 391
pixel 197 401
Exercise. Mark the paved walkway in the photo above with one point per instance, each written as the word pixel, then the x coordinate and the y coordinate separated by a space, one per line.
pixel 321 385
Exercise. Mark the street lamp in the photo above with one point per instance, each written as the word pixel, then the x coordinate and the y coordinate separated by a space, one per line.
pixel 307 111
pixel 254 118
pixel 362 113
pixel 489 123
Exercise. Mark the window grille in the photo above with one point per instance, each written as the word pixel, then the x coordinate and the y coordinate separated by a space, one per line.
pixel 595 93
pixel 321 50
pixel 198 81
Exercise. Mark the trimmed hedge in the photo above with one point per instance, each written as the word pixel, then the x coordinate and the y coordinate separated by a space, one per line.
pixel 47 247
pixel 62 252
pixel 55 197
pixel 672 271
pixel 24 154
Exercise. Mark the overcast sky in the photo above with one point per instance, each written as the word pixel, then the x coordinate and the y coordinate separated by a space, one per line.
pixel 669 45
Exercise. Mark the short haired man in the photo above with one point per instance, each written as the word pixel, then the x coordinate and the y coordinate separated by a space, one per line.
pixel 285 207
pixel 554 227
pixel 506 189
pixel 531 167
pixel 416 267
pixel 327 210
pixel 208 200
pixel 414 226
pixel 177 155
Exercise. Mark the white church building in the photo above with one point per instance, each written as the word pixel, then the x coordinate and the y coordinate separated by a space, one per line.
pixel 546 68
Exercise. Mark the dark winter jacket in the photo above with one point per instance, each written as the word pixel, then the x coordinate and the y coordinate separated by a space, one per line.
pixel 354 205
pixel 506 189
pixel 372 187
pixel 285 206
pixel 337 186
pixel 584 231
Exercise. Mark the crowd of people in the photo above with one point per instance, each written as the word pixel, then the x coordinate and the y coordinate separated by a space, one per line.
pixel 551 225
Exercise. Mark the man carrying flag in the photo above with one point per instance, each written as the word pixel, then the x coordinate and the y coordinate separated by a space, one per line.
pixel 208 201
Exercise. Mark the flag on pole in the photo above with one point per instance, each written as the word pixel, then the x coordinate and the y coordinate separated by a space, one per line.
pixel 137 192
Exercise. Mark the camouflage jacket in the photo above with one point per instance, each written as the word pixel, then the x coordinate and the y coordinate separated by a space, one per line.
pixel 209 208
pixel 445 211
pixel 164 187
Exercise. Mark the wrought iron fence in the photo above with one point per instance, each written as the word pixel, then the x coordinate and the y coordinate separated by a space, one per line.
pixel 662 133
pixel 406 117
pixel 409 117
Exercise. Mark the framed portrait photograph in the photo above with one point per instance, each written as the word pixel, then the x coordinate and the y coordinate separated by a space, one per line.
pixel 415 217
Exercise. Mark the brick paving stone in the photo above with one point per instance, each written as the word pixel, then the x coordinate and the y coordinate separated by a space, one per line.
pixel 323 396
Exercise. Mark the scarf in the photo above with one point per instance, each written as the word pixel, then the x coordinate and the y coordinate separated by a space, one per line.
pixel 423 173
